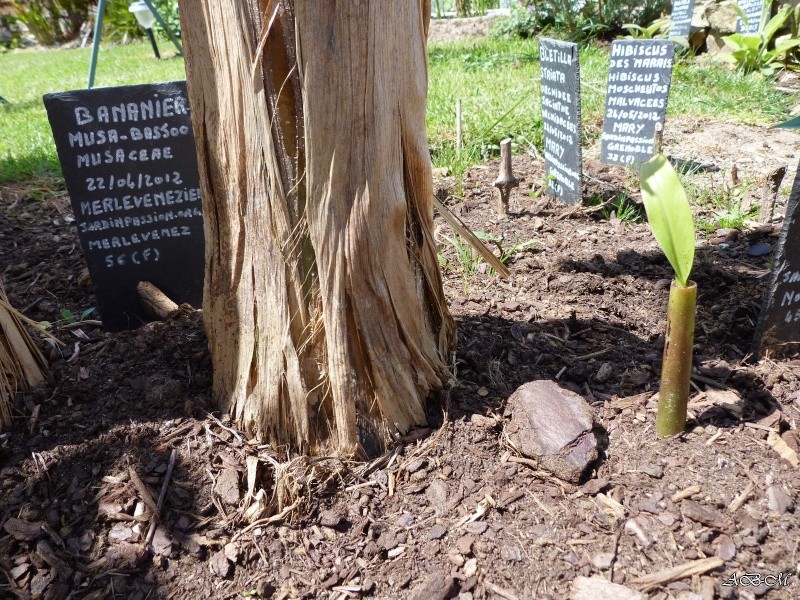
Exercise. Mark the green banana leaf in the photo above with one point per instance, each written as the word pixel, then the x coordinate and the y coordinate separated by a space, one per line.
pixel 669 214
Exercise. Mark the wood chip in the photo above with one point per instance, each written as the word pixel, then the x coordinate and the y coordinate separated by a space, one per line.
pixel 783 449
pixel 144 491
pixel 703 514
pixel 687 493
pixel 495 589
pixel 689 569
pixel 737 502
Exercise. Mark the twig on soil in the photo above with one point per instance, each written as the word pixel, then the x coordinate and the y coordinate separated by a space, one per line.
pixel 737 502
pixel 161 496
pixel 695 567
pixel 233 432
pixel 614 551
pixel 687 493
pixel 499 591
pixel 266 521
pixel 144 491
pixel 87 323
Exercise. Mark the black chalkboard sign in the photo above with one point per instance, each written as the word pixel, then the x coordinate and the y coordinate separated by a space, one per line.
pixel 129 162
pixel 779 322
pixel 561 117
pixel 681 18
pixel 636 99
pixel 753 9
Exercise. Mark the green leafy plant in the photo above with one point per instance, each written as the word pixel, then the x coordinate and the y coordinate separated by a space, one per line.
pixel 52 22
pixel 755 51
pixel 671 222
pixel 657 29
pixel 508 252
pixel 578 21
pixel 70 317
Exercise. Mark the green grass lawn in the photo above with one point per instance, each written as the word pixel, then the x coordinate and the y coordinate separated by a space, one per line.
pixel 497 81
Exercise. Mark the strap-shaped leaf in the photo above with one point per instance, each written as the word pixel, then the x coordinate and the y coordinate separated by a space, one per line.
pixel 793 123
pixel 669 214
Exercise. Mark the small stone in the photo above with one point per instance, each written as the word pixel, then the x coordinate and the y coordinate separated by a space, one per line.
pixel 405 520
pixel 437 532
pixel 599 588
pixel 162 544
pixel 511 553
pixel 655 471
pixel 603 560
pixel 778 500
pixel 702 514
pixel 416 464
pixel 470 567
pixel 554 426
pixel 387 540
pixel 219 564
pixel 483 392
pixel 594 486
pixel 455 558
pixel 464 544
pixel 477 527
pixel 227 486
pixel 439 585
pixel 330 518
pixel 436 493
pixel 759 249
pixel 726 549
pixel 231 550
pixel 667 519
pixel 604 372
pixel 23 531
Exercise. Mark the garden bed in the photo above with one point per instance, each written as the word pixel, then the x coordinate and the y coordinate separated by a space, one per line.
pixel 585 307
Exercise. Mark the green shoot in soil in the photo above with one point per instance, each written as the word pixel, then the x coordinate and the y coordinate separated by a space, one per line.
pixel 671 221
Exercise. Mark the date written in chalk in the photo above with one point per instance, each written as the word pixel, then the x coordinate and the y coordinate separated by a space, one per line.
pixel 757 579
pixel 132 182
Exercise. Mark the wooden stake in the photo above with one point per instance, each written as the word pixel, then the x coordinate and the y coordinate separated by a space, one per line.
pixel 161 497
pixel 769 193
pixel 459 130
pixel 155 302
pixel 505 181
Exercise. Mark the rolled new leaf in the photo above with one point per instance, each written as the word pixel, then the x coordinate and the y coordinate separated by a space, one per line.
pixel 676 367
pixel 670 218
pixel 669 214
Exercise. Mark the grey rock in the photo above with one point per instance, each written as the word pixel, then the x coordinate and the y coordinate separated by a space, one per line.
pixel 330 518
pixel 599 588
pixel 437 532
pixel 759 249
pixel 553 426
pixel 778 500
pixel 219 564
pixel 703 515
pixel 603 560
pixel 439 585
pixel 726 549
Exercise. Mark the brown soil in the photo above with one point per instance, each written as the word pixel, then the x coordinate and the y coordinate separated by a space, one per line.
pixel 585 307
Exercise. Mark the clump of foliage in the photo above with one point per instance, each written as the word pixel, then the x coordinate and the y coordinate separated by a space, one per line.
pixel 53 22
pixel 670 218
pixel 10 35
pixel 579 20
pixel 757 51
pixel 120 25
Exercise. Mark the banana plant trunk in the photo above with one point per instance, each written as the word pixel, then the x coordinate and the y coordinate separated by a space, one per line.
pixel 676 367
pixel 324 307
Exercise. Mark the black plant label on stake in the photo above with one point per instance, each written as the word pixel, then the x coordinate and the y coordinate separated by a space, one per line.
pixel 129 162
